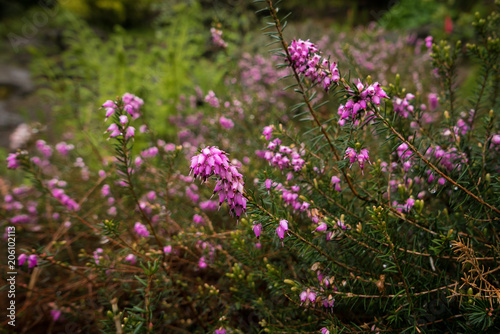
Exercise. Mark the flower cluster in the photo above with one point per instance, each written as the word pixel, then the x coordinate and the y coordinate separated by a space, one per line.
pixel 405 156
pixel 462 127
pixel 97 256
pixel 305 59
pixel 402 106
pixel 63 148
pixel 217 37
pixel 45 149
pixel 449 158
pixel 358 106
pixel 336 183
pixel 360 157
pixel 208 205
pixel 12 161
pixel 141 230
pixel 150 152
pixel 208 249
pixel 211 99
pixel 129 104
pixel 226 122
pixel 118 130
pixel 290 196
pixel 64 199
pixel 309 296
pixel 410 202
pixel 230 185
pixel 282 156
pixel 32 260
pixel 198 219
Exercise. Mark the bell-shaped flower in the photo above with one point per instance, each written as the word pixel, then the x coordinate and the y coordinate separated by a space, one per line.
pixel 257 229
pixel 32 261
pixel 21 259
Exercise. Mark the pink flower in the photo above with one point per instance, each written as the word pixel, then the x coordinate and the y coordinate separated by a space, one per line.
pixel 167 249
pixel 217 40
pixel 410 202
pixel 132 105
pixel 65 200
pixel 141 230
pixel 322 227
pixel 198 219
pixel 21 259
pixel 351 154
pixel 109 104
pixel 202 263
pixel 55 314
pixel 495 140
pixel 123 119
pixel 428 42
pixel 45 149
pixel 212 99
pixel 12 161
pixel 304 206
pixel 268 130
pixel 257 229
pixel 97 257
pixel 341 225
pixel 230 185
pixel 226 122
pixel 20 219
pixel 433 101
pixel 32 261
pixel 130 132
pixel 336 183
pixel 282 228
pixel 114 129
pixel 268 184
pixel 105 190
pixel 208 205
pixel 307 296
pixel 131 258
pixel 360 157
pixel 109 112
pixel 150 152
pixel 64 148
pixel 304 58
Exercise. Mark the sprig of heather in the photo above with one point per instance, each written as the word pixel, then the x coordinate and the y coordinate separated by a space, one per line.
pixel 230 184
pixel 123 111
pixel 217 38
pixel 305 59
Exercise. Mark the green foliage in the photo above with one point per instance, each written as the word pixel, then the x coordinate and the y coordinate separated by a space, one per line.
pixel 111 12
pixel 411 14
pixel 160 67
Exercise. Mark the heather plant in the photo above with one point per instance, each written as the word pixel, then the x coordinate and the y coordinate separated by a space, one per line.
pixel 357 199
